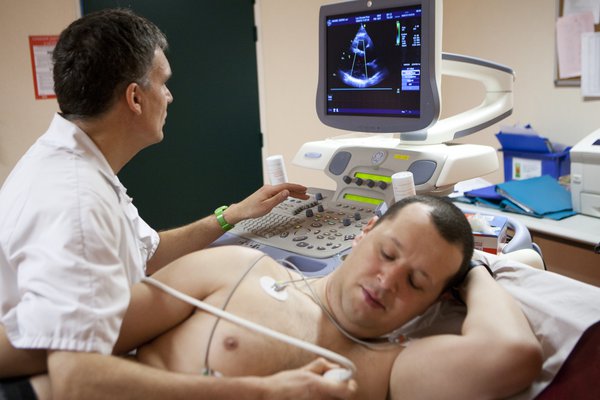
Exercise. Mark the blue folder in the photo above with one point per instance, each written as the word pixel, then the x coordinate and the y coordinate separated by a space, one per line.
pixel 541 196
pixel 487 193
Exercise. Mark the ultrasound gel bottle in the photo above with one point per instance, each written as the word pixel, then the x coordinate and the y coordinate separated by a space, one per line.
pixel 403 185
pixel 276 170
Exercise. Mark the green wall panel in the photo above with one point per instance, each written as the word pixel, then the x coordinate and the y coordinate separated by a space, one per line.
pixel 211 154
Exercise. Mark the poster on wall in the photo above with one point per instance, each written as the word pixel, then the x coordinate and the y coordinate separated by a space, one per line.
pixel 41 48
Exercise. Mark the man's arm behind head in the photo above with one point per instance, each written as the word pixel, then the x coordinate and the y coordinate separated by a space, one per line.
pixel 496 354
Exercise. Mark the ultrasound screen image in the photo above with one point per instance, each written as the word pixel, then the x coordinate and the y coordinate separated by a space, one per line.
pixel 362 69
pixel 374 63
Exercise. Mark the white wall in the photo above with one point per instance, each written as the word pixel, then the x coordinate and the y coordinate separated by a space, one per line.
pixel 287 37
pixel 23 118
pixel 517 33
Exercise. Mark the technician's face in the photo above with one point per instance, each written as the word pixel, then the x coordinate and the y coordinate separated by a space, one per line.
pixel 394 273
pixel 156 97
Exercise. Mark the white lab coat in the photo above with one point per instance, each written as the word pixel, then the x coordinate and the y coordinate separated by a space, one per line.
pixel 71 246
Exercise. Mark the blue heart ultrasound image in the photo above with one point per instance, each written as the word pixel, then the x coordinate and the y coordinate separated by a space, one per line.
pixel 360 68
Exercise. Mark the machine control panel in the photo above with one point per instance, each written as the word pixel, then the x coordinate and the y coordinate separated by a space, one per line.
pixel 319 227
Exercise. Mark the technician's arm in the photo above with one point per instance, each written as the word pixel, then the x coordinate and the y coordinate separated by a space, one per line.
pixel 17 362
pixel 92 376
pixel 497 354
pixel 177 242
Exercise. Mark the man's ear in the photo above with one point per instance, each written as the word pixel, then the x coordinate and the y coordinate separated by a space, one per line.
pixel 367 228
pixel 132 96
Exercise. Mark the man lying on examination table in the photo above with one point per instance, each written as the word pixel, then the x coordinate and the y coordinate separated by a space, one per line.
pixel 396 270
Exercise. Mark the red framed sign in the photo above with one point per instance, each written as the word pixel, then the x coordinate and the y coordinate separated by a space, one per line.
pixel 41 48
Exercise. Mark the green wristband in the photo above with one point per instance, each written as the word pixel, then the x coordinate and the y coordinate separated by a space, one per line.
pixel 221 218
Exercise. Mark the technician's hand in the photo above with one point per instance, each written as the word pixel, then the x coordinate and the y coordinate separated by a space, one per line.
pixel 262 201
pixel 308 383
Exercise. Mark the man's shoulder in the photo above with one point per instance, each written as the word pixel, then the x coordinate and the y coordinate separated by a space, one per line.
pixel 225 259
pixel 235 254
pixel 40 191
pixel 42 163
pixel 58 181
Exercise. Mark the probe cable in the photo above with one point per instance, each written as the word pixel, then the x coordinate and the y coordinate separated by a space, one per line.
pixel 320 351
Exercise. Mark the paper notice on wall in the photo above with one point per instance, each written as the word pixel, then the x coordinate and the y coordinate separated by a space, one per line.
pixel 568 41
pixel 41 48
pixel 590 64
pixel 581 6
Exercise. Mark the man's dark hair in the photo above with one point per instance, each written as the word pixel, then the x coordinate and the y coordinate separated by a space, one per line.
pixel 449 221
pixel 98 56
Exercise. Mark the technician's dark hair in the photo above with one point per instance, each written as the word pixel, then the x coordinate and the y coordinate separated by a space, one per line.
pixel 98 56
pixel 451 224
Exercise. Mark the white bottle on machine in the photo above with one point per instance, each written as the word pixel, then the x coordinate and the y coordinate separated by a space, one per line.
pixel 403 185
pixel 276 170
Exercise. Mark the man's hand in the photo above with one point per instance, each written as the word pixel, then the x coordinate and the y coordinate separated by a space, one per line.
pixel 308 383
pixel 262 201
pixel 175 243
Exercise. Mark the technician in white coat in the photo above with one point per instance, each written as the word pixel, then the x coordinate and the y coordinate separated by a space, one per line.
pixel 72 243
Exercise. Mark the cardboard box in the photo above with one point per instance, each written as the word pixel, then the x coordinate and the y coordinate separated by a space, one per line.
pixel 492 241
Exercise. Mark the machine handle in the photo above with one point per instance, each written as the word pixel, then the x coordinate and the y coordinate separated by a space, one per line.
pixel 521 239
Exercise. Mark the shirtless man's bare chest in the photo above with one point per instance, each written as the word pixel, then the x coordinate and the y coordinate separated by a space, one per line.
pixel 201 342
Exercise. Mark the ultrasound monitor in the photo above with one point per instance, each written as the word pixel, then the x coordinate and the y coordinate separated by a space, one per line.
pixel 378 65
pixel 380 69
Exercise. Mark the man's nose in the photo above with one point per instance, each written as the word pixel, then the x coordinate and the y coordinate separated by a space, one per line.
pixel 391 276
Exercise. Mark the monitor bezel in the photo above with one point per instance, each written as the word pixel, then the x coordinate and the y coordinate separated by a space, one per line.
pixel 430 52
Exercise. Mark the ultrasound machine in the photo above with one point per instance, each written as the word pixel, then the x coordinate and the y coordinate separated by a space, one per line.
pixel 380 67
pixel 380 64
